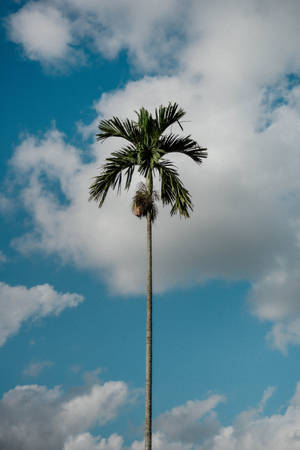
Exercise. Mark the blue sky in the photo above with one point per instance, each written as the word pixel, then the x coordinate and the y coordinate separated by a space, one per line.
pixel 226 282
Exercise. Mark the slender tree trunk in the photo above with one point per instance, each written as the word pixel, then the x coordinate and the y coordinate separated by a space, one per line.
pixel 148 396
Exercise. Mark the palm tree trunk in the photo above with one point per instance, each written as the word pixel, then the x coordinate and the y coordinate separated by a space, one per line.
pixel 148 394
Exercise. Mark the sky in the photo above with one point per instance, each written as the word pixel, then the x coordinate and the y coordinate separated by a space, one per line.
pixel 226 311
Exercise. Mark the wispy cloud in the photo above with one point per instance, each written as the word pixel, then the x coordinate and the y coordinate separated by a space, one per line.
pixel 35 368
pixel 19 304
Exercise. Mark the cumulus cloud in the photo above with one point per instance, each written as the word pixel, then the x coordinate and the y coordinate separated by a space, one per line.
pixel 252 430
pixel 275 298
pixel 86 441
pixel 246 224
pixel 182 422
pixel 163 36
pixel 148 33
pixel 35 417
pixel 244 211
pixel 30 413
pixel 101 402
pixel 43 31
pixel 161 442
pixel 49 30
pixel 19 304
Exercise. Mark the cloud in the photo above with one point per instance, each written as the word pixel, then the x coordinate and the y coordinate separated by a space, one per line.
pixel 246 223
pixel 86 441
pixel 97 406
pixel 42 30
pixel 244 210
pixel 252 414
pixel 252 430
pixel 150 34
pixel 35 417
pixel 161 442
pixel 165 36
pixel 275 298
pixel 30 413
pixel 19 304
pixel 182 422
pixel 49 30
pixel 35 368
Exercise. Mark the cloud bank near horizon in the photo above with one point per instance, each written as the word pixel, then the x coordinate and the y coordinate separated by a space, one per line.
pixel 34 416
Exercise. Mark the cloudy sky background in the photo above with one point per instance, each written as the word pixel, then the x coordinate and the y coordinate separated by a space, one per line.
pixel 227 309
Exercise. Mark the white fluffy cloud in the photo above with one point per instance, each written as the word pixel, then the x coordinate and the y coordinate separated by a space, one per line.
pixel 246 224
pixel 43 31
pixel 30 413
pixel 161 35
pixel 182 423
pixel 100 404
pixel 252 430
pixel 49 30
pixel 34 417
pixel 19 304
pixel 86 441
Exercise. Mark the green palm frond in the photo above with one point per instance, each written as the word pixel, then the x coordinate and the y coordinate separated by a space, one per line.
pixel 115 127
pixel 168 115
pixel 172 143
pixel 148 139
pixel 172 189
pixel 148 125
pixel 111 173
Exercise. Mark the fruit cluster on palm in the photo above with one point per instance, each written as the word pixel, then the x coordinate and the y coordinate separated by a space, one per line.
pixel 147 144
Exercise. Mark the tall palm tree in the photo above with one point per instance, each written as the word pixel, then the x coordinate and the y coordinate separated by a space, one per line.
pixel 147 144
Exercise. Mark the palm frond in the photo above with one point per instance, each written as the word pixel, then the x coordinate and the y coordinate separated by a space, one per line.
pixel 172 189
pixel 172 143
pixel 148 138
pixel 110 176
pixel 168 115
pixel 149 132
pixel 116 127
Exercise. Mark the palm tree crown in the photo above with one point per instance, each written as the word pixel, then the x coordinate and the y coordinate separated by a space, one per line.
pixel 148 143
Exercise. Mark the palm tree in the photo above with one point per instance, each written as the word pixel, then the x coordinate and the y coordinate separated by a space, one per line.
pixel 147 144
